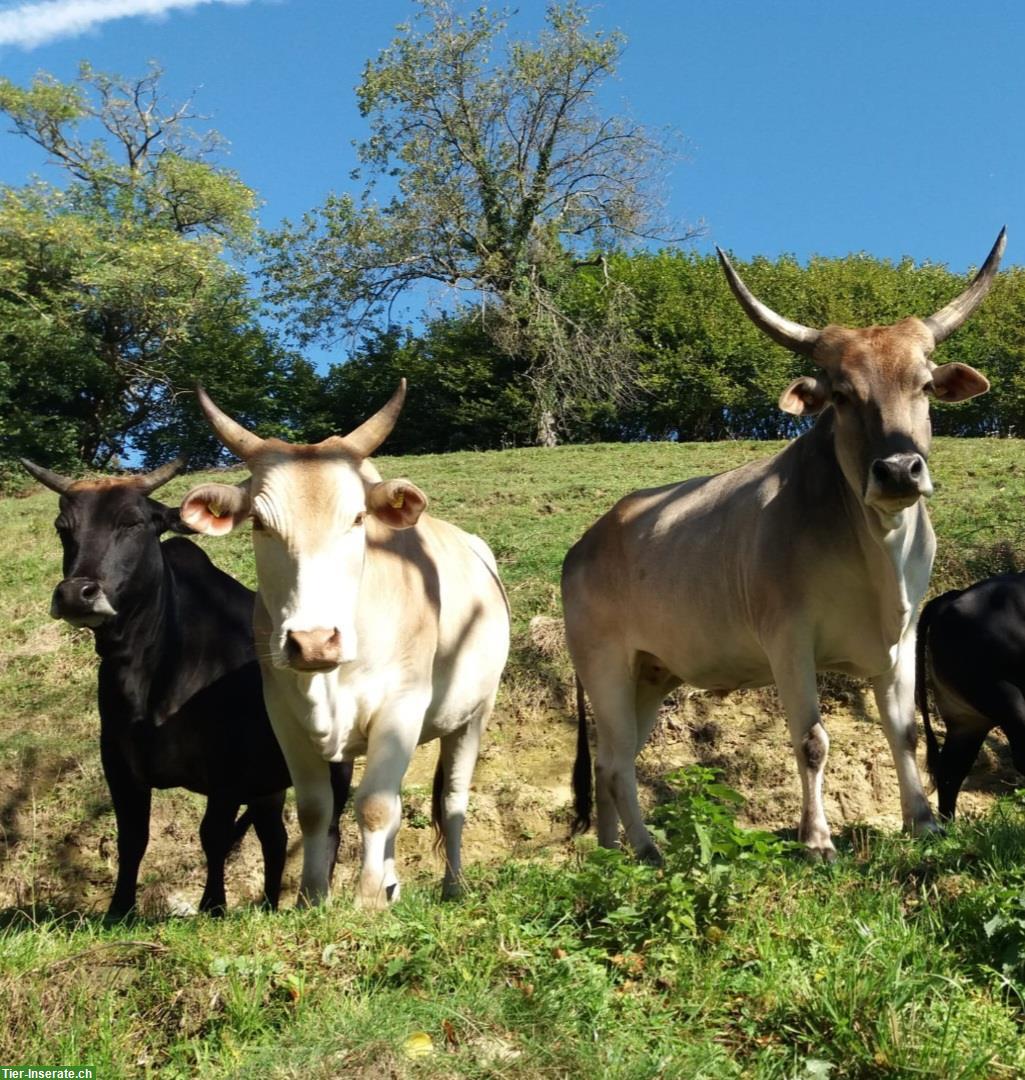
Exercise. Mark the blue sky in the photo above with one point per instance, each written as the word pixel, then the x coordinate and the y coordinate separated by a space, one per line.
pixel 895 128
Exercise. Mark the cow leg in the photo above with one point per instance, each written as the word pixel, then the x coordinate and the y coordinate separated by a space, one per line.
pixel 216 832
pixel 314 798
pixel 612 689
pixel 1003 705
pixel 653 687
pixel 273 837
pixel 798 693
pixel 131 812
pixel 341 782
pixel 895 699
pixel 961 747
pixel 314 801
pixel 457 760
pixel 314 804
pixel 390 747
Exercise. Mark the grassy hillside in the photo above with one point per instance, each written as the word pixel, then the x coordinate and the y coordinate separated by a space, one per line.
pixel 904 959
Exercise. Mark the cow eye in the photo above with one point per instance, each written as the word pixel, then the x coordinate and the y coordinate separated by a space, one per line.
pixel 929 388
pixel 360 518
pixel 62 525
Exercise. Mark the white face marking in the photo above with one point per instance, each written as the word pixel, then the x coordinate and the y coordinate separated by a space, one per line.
pixel 309 543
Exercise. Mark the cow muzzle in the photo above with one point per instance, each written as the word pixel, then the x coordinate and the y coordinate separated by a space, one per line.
pixel 81 602
pixel 313 650
pixel 897 482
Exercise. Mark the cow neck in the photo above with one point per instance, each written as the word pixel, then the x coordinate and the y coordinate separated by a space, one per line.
pixel 132 646
pixel 885 549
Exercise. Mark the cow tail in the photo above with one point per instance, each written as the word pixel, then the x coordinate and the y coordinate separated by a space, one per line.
pixel 932 746
pixel 240 828
pixel 583 780
pixel 438 805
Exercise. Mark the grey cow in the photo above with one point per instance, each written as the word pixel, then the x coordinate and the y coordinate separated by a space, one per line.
pixel 813 560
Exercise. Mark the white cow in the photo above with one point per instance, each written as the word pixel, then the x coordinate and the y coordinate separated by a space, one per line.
pixel 815 559
pixel 378 628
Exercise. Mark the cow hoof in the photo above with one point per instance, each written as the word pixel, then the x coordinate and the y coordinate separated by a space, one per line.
pixel 379 899
pixel 115 917
pixel 925 826
pixel 650 855
pixel 820 853
pixel 451 890
pixel 308 900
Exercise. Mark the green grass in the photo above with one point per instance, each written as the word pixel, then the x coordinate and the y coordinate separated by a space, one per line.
pixel 903 959
pixel 878 966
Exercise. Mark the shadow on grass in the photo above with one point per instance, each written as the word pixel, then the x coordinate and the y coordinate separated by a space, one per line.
pixel 30 918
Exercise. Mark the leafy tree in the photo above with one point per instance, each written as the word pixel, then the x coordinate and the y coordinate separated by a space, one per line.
pixel 490 170
pixel 464 393
pixel 703 371
pixel 108 284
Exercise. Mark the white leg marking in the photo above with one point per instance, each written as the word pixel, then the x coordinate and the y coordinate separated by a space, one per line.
pixel 895 699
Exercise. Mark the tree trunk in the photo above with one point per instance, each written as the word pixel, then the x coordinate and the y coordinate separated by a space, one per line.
pixel 546 431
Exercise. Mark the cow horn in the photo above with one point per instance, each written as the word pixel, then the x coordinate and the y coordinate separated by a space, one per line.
pixel 791 335
pixel 54 481
pixel 371 433
pixel 158 477
pixel 949 318
pixel 241 442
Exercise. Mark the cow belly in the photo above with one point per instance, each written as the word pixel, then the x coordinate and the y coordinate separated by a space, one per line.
pixel 952 706
pixel 730 659
pixel 724 657
pixel 855 647
pixel 166 757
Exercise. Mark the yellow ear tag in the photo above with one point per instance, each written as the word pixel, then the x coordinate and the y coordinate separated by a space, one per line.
pixel 398 500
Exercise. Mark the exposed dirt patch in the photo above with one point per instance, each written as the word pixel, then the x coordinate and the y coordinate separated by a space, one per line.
pixel 58 845
pixel 522 800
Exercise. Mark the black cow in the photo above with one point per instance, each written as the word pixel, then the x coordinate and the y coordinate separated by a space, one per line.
pixel 180 696
pixel 973 641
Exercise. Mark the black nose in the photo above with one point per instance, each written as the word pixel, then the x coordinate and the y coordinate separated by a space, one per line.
pixel 76 596
pixel 899 474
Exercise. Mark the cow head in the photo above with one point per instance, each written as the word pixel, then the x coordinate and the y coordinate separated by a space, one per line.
pixel 109 529
pixel 310 506
pixel 878 382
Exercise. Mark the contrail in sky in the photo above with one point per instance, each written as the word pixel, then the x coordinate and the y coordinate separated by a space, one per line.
pixel 32 24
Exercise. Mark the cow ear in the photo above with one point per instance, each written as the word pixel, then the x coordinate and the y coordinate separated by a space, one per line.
pixel 398 503
pixel 215 509
pixel 806 396
pixel 168 519
pixel 957 382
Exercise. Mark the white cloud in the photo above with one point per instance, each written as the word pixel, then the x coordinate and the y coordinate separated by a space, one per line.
pixel 32 24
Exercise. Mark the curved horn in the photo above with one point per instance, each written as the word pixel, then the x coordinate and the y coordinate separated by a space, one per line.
pixel 54 481
pixel 371 433
pixel 791 335
pixel 158 477
pixel 949 318
pixel 236 438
